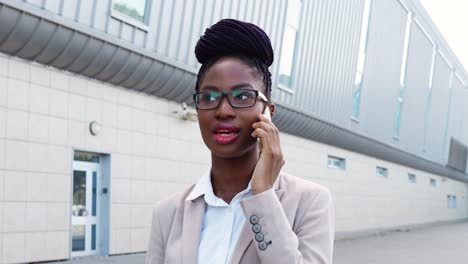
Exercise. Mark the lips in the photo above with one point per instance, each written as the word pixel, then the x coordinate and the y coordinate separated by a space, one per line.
pixel 225 133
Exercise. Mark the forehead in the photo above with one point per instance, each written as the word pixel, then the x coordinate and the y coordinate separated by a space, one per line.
pixel 229 72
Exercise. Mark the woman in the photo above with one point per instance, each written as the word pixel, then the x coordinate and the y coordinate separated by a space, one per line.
pixel 244 209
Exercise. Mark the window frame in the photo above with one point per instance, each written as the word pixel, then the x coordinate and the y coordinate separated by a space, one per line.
pixel 332 165
pixel 289 89
pixel 143 25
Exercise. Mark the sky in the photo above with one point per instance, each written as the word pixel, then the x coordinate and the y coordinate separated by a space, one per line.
pixel 451 17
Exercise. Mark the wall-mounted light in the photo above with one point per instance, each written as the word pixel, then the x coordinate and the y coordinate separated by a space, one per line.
pixel 186 114
pixel 94 128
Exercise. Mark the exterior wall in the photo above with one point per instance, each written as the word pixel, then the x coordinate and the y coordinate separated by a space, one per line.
pixel 325 63
pixel 44 116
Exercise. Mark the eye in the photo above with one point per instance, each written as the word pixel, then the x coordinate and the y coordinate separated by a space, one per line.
pixel 209 97
pixel 243 94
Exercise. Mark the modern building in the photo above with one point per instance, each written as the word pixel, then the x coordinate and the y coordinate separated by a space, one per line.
pixel 97 123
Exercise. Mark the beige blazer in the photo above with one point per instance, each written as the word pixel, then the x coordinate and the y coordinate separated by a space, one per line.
pixel 295 220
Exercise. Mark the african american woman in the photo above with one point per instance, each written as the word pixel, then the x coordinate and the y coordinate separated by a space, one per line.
pixel 244 209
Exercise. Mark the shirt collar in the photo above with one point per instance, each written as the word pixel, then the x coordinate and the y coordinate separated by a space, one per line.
pixel 204 187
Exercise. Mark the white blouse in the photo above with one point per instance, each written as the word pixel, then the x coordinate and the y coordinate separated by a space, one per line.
pixel 222 223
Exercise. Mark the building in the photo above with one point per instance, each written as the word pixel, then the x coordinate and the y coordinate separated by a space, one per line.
pixel 370 102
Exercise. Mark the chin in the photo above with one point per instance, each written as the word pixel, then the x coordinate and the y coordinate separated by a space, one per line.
pixel 231 151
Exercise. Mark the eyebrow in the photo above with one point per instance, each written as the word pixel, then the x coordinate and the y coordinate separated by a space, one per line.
pixel 235 87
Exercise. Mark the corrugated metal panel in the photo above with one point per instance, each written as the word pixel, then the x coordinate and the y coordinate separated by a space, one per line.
pixel 438 112
pixel 416 91
pixel 455 119
pixel 382 72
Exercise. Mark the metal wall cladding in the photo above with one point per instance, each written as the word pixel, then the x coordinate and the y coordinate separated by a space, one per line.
pixel 457 108
pixel 416 91
pixel 173 27
pixel 439 107
pixel 325 59
pixel 381 83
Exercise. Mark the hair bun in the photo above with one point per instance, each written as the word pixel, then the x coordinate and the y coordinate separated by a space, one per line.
pixel 230 36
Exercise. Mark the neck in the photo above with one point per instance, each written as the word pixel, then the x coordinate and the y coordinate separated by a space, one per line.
pixel 231 176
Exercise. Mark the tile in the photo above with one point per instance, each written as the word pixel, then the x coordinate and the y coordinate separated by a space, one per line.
pixel 141 216
pixel 36 217
pixel 15 186
pixel 18 94
pixel 14 214
pixel 57 244
pixel 59 79
pixel 35 247
pixel 3 91
pixel 76 107
pixel 3 117
pixel 120 191
pixel 76 133
pixel 108 139
pixel 138 168
pixel 17 124
pixel 139 238
pixel 2 192
pixel 13 251
pixel 4 61
pixel 58 103
pixel 58 216
pixel 38 157
pixel 40 74
pixel 109 114
pixel 16 155
pixel 39 99
pixel 120 216
pixel 38 128
pixel 78 85
pixel 138 144
pixel 58 132
pixel 124 117
pixel 124 141
pixel 58 188
pixel 37 187
pixel 138 120
pixel 59 159
pixel 18 69
pixel 120 241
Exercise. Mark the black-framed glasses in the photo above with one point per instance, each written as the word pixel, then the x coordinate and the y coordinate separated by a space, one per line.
pixel 241 98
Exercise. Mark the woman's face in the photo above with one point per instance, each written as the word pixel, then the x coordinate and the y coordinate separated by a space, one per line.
pixel 226 130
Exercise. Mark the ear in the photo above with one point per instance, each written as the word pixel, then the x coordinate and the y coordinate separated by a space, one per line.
pixel 272 109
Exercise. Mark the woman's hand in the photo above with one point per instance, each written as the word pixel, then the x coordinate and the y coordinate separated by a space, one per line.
pixel 271 158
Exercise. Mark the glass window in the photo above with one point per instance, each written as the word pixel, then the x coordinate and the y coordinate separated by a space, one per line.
pixel 412 178
pixel 289 42
pixel 79 193
pixel 135 9
pixel 336 162
pixel 433 183
pixel 404 64
pixel 381 171
pixel 78 237
pixel 361 59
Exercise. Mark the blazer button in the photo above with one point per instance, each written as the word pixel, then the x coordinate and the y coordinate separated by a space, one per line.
pixel 262 245
pixel 256 228
pixel 253 219
pixel 259 237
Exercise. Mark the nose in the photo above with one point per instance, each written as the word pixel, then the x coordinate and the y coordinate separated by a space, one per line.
pixel 225 110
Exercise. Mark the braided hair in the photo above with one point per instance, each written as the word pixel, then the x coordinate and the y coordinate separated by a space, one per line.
pixel 230 37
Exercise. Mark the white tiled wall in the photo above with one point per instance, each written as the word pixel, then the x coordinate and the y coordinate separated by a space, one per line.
pixel 45 114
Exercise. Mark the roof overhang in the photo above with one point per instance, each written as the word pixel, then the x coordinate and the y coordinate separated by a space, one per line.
pixel 37 35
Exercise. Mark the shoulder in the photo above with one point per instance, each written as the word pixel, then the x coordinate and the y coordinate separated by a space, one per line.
pixel 168 206
pixel 303 190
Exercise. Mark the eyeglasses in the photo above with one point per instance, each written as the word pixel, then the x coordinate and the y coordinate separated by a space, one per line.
pixel 236 98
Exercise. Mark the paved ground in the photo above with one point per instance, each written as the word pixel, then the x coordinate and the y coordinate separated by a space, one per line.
pixel 441 244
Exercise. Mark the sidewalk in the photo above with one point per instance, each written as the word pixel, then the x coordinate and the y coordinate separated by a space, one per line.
pixel 433 245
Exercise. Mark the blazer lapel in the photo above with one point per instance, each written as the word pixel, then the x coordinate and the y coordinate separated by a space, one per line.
pixel 193 218
pixel 245 237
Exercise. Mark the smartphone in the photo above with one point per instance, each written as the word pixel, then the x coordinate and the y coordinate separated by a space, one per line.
pixel 267 114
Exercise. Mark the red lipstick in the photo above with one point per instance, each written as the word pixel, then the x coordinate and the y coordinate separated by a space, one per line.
pixel 225 133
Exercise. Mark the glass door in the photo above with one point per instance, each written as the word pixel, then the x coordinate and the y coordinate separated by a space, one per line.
pixel 85 211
